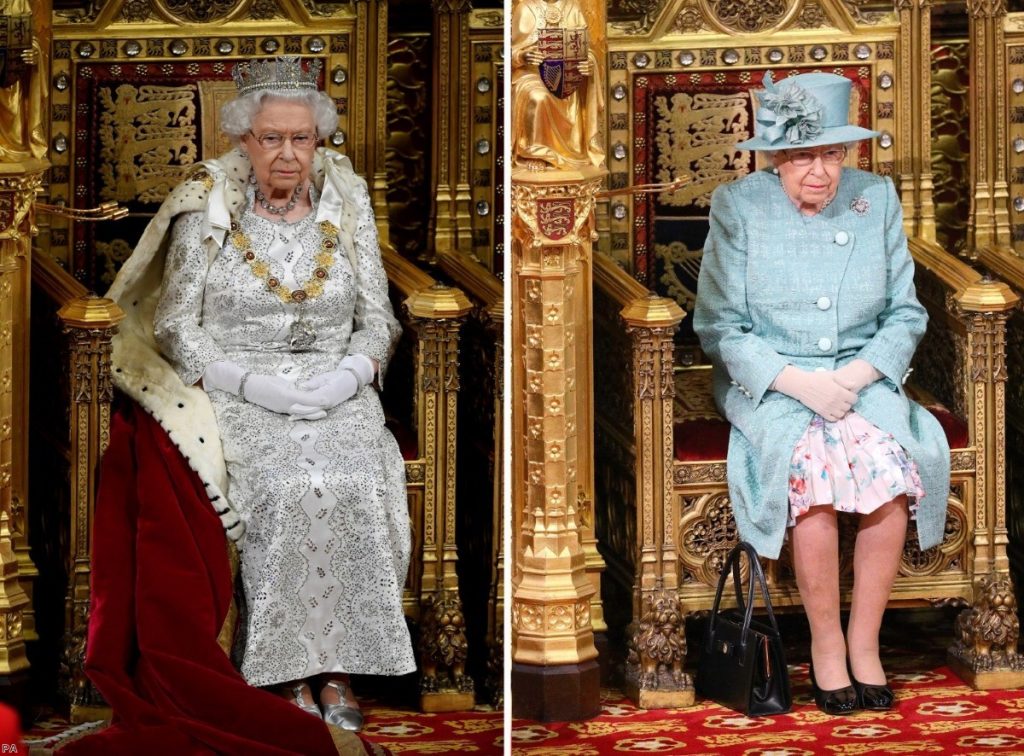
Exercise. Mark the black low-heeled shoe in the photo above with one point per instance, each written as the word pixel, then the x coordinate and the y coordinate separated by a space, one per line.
pixel 873 697
pixel 838 703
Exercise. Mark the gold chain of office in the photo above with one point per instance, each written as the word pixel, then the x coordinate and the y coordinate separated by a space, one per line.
pixel 314 287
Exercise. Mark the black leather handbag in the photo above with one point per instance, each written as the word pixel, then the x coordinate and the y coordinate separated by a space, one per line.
pixel 742 664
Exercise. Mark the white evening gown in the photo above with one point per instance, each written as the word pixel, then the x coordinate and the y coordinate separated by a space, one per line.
pixel 327 539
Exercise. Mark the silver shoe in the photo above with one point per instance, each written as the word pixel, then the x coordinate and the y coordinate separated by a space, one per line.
pixel 299 700
pixel 343 715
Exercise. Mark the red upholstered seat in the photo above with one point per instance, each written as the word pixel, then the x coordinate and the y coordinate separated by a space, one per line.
pixel 708 440
pixel 406 438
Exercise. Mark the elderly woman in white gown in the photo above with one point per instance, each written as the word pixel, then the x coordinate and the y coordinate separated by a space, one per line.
pixel 274 302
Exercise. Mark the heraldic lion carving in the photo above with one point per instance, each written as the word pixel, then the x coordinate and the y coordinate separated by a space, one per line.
pixel 987 632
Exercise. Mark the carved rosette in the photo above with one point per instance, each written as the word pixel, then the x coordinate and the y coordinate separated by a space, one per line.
pixel 917 563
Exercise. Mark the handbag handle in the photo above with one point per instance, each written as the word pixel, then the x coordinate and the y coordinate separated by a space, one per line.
pixel 732 563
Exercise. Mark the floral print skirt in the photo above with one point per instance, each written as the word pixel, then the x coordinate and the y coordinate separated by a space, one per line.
pixel 851 465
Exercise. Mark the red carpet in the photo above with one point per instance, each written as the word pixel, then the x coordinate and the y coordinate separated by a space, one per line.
pixel 401 731
pixel 935 714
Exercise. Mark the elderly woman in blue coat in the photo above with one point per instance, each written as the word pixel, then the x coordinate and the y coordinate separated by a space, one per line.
pixel 806 308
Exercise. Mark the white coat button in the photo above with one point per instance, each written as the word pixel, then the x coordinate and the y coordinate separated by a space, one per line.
pixel 842 238
pixel 824 344
pixel 823 303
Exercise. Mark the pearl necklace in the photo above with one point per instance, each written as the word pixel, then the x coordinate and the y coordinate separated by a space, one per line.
pixel 284 209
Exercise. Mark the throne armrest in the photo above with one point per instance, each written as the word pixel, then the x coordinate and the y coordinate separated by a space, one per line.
pixel 641 397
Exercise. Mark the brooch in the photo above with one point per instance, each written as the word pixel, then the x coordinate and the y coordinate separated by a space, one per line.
pixel 860 205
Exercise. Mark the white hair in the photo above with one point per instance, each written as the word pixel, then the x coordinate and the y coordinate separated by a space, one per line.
pixel 236 115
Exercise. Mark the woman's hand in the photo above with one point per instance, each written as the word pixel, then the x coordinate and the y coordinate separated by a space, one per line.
pixel 328 390
pixel 856 375
pixel 818 391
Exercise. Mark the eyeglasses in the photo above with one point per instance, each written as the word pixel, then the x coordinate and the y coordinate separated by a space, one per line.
pixel 273 141
pixel 803 158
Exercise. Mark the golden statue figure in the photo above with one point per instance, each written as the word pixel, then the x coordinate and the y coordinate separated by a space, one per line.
pixel 23 86
pixel 556 101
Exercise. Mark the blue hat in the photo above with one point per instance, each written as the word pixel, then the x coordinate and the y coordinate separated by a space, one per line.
pixel 807 110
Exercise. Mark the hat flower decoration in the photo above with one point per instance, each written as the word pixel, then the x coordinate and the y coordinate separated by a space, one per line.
pixel 789 111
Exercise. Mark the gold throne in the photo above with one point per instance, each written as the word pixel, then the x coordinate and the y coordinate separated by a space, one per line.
pixel 679 101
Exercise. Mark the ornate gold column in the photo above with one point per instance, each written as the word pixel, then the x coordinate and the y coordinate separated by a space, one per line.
pixel 18 183
pixel 438 312
pixel 496 604
pixel 90 324
pixel 557 156
pixel 651 322
pixel 984 651
pixel 989 222
pixel 554 668
pixel 915 173
pixel 450 151
pixel 371 61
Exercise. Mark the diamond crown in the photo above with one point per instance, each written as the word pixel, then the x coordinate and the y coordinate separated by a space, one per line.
pixel 285 72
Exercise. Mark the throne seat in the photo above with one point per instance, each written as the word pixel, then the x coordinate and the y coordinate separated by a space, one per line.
pixel 700 434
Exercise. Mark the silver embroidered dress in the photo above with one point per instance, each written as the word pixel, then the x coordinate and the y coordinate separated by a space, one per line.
pixel 327 528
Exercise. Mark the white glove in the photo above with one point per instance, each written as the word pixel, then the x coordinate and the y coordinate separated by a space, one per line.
pixel 856 375
pixel 268 391
pixel 818 391
pixel 328 390
pixel 223 376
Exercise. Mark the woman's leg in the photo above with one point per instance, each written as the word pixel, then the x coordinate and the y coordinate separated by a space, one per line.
pixel 876 559
pixel 815 542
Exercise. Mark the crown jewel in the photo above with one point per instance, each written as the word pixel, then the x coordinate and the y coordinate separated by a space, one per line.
pixel 285 72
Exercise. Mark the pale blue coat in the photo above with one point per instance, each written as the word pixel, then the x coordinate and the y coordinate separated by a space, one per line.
pixel 776 288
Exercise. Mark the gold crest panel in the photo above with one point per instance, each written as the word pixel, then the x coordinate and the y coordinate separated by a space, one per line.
pixel 130 116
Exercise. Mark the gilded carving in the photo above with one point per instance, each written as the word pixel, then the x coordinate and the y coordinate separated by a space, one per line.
pixel 866 12
pixel 147 140
pixel 707 532
pixel 986 8
pixel 444 648
pixel 812 16
pixel 689 472
pixel 557 99
pixel 658 646
pixel 748 16
pixel 408 116
pixel 917 563
pixel 134 11
pixel 987 632
pixel 85 14
pixel 634 16
pixel 696 136
pixel 528 199
pixel 198 11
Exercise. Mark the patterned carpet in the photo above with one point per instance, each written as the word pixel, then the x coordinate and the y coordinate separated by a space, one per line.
pixel 935 713
pixel 401 731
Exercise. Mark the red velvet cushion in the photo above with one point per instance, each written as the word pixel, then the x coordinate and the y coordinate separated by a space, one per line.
pixel 708 440
pixel 406 438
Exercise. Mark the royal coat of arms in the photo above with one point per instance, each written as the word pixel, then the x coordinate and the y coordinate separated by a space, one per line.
pixel 563 51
